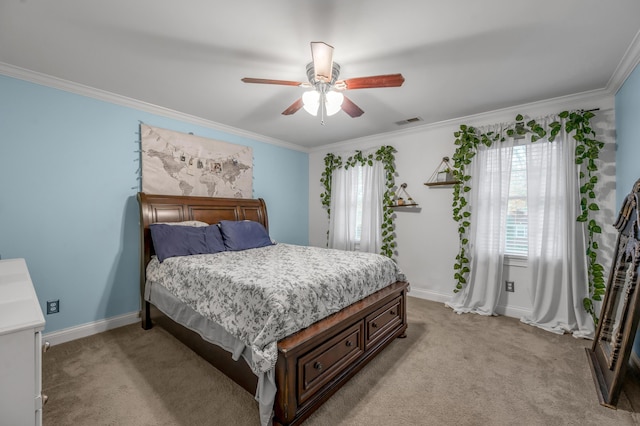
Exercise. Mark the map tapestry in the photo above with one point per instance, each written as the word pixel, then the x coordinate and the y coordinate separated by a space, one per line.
pixel 176 163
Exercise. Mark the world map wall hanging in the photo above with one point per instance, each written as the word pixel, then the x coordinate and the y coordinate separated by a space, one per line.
pixel 175 163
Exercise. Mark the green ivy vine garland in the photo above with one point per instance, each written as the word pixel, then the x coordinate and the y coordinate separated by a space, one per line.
pixel 384 154
pixel 586 153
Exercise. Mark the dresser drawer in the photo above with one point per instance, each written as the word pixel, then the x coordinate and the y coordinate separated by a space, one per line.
pixel 379 322
pixel 323 363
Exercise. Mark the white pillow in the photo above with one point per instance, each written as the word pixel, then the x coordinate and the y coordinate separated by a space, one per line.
pixel 195 223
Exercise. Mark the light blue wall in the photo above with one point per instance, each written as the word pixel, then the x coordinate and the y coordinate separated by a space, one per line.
pixel 68 179
pixel 628 144
pixel 627 135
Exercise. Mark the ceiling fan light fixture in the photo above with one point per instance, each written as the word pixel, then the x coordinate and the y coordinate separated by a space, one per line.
pixel 311 102
pixel 333 102
pixel 325 98
pixel 322 55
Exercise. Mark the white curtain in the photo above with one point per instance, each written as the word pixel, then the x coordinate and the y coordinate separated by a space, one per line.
pixel 343 209
pixel 556 261
pixel 373 184
pixel 491 175
pixel 356 199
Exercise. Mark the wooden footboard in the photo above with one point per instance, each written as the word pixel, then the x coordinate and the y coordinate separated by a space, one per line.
pixel 315 362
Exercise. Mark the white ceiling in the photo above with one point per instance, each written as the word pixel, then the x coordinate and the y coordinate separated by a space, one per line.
pixel 459 57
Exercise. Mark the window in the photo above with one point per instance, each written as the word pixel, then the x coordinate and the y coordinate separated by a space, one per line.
pixel 517 224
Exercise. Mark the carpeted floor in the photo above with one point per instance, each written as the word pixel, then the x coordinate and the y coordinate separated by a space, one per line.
pixel 450 370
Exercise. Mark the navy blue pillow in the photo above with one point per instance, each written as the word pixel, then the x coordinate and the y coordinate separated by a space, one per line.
pixel 176 240
pixel 243 235
pixel 213 238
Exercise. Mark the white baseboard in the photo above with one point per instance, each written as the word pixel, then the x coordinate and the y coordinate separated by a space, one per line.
pixel 507 311
pixel 429 295
pixel 512 311
pixel 89 329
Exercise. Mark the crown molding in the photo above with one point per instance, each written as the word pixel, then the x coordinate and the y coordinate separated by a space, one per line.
pixel 599 98
pixel 103 95
pixel 624 68
pixel 629 62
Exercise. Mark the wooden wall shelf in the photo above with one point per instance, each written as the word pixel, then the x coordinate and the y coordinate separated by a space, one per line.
pixel 407 202
pixel 443 175
pixel 445 183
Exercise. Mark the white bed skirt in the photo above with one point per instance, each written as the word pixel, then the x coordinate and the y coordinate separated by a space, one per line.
pixel 214 333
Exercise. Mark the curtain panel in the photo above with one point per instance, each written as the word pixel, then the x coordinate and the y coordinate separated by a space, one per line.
pixel 557 263
pixel 491 173
pixel 357 195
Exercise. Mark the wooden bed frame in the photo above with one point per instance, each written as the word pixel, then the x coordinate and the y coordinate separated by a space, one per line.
pixel 312 363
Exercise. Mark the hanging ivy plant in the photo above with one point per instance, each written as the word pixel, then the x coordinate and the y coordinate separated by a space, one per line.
pixel 331 162
pixel 587 151
pixel 385 155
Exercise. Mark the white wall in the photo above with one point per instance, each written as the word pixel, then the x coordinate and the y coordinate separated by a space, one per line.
pixel 427 237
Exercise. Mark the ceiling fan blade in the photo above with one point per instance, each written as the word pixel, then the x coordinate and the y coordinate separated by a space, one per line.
pixel 389 80
pixel 322 55
pixel 350 108
pixel 267 81
pixel 293 108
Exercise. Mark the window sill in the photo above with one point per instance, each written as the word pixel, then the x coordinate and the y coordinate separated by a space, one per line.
pixel 517 261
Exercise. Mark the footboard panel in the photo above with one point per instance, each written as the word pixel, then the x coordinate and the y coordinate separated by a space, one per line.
pixel 315 362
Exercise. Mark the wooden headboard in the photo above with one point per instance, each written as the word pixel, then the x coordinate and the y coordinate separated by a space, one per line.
pixel 175 208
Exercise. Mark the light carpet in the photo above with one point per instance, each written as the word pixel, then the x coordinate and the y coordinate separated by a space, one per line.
pixel 450 370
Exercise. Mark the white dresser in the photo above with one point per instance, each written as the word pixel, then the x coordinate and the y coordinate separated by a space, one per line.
pixel 21 325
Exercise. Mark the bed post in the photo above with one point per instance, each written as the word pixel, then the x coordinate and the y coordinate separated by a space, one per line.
pixel 145 312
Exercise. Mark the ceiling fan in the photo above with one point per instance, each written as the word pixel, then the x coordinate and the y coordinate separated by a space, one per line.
pixel 326 95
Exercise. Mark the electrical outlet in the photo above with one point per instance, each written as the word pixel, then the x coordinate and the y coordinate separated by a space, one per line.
pixel 53 306
pixel 509 286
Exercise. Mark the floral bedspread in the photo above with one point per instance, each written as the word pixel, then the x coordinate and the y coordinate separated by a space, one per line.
pixel 265 294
